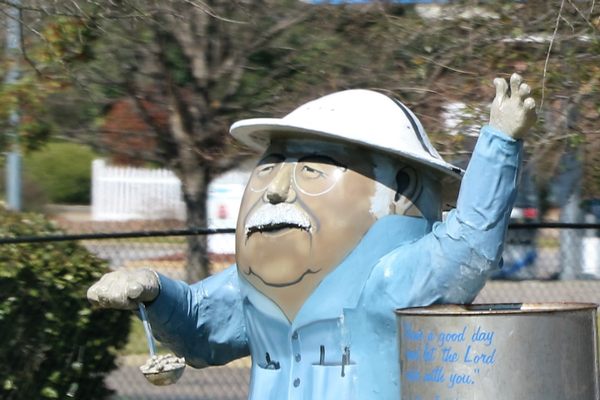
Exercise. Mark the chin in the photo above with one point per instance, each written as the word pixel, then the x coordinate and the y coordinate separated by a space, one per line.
pixel 280 255
pixel 279 273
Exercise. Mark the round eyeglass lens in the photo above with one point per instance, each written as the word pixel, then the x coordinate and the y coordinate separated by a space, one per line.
pixel 263 175
pixel 316 178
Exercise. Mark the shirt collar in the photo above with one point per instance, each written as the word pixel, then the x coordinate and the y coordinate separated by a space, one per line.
pixel 342 287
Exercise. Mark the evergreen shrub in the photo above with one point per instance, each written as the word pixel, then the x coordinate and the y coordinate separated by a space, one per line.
pixel 63 170
pixel 52 344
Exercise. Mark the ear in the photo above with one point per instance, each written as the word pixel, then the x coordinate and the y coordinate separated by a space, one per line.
pixel 408 190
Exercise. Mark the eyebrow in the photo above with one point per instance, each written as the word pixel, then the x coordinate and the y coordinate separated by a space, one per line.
pixel 278 156
pixel 324 157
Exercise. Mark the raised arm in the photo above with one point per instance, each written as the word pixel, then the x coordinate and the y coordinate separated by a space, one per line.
pixel 451 264
pixel 468 246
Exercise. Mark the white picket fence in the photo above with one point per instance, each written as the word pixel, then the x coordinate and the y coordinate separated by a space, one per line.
pixel 126 193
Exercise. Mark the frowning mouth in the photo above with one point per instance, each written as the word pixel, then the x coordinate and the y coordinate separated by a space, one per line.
pixel 274 228
pixel 281 285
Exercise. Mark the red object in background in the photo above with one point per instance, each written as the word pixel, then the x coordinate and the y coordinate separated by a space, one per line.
pixel 127 136
pixel 222 213
pixel 530 213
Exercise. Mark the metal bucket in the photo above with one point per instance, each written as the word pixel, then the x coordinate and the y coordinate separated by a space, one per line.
pixel 499 352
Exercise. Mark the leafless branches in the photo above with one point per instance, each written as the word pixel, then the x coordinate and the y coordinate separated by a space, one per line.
pixel 558 18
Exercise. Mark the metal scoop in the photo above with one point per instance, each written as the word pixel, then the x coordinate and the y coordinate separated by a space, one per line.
pixel 159 370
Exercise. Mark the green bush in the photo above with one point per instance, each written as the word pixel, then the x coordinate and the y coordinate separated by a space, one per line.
pixel 63 170
pixel 53 345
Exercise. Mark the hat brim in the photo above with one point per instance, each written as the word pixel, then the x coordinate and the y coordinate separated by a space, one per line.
pixel 256 133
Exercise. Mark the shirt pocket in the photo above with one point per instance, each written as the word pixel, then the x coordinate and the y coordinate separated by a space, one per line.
pixel 265 382
pixel 328 382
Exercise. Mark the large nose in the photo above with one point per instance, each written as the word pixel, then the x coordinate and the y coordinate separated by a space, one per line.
pixel 280 189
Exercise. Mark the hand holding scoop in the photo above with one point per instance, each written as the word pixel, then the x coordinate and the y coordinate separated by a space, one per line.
pixel 159 370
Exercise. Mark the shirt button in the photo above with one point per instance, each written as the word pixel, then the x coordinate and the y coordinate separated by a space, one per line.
pixel 296 382
pixel 298 357
pixel 295 336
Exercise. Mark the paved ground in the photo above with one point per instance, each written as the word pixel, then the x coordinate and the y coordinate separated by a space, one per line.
pixel 587 291
pixel 231 382
pixel 217 383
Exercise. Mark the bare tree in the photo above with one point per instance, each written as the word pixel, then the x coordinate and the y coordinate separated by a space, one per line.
pixel 210 62
pixel 195 63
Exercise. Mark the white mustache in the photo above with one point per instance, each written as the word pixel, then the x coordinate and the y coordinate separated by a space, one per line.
pixel 274 214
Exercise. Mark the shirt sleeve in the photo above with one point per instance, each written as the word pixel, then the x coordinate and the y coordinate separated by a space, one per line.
pixel 452 263
pixel 468 245
pixel 203 322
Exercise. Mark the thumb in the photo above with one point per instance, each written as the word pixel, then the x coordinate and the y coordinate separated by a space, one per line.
pixel 501 89
pixel 134 291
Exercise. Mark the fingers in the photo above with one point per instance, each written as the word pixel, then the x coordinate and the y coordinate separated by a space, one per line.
pixel 524 90
pixel 123 289
pixel 529 103
pixel 515 83
pixel 97 292
pixel 92 295
pixel 513 110
pixel 501 88
pixel 109 292
pixel 518 88
pixel 134 290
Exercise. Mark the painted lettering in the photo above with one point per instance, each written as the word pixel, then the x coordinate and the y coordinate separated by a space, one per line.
pixel 448 355
pixel 430 336
pixel 428 353
pixel 460 379
pixel 410 333
pixel 482 336
pixel 483 358
pixel 451 337
pixel 436 375
pixel 412 375
pixel 412 355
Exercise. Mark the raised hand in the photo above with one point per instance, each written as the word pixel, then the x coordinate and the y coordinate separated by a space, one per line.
pixel 512 113
pixel 124 289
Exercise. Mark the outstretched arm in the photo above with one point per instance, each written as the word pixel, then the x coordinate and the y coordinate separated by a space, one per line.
pixel 203 322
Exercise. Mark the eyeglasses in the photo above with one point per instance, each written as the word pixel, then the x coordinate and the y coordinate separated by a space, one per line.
pixel 313 175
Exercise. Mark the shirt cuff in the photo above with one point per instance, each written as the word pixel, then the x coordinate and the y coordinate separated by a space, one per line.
pixel 496 145
pixel 171 294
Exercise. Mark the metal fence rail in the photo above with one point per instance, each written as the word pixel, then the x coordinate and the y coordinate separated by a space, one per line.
pixel 534 252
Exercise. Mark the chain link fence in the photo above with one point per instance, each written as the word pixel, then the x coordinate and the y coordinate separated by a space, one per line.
pixel 535 270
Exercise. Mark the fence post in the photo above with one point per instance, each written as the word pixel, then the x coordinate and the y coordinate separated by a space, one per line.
pixel 97 168
pixel 570 239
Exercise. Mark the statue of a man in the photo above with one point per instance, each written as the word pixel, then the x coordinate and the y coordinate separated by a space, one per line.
pixel 340 225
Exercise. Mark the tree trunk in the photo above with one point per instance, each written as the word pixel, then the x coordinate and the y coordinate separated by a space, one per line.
pixel 195 198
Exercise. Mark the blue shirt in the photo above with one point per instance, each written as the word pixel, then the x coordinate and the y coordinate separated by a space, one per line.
pixel 342 343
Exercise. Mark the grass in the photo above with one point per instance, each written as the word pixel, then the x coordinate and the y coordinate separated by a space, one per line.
pixel 136 343
pixel 548 242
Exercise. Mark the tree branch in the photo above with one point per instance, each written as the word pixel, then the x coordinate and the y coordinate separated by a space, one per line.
pixel 562 5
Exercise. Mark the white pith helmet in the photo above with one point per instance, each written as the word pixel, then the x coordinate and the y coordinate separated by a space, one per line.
pixel 358 116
